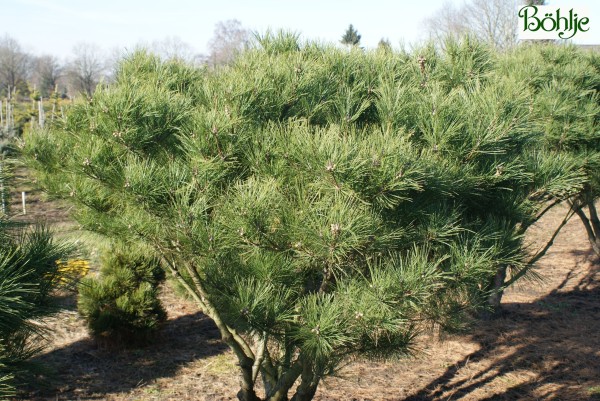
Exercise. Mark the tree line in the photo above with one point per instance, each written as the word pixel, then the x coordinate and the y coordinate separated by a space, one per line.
pixel 22 73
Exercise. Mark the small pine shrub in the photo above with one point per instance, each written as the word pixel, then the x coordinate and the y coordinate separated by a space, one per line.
pixel 121 306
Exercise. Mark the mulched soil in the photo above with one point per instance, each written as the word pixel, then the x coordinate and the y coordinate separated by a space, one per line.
pixel 544 346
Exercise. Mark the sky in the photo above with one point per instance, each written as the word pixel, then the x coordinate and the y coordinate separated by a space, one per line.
pixel 55 26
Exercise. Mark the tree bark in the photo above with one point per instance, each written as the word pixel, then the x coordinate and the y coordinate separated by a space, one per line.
pixel 497 291
pixel 305 394
pixel 592 237
pixel 595 226
pixel 285 381
pixel 542 251
pixel 308 385
pixel 229 336
pixel 247 395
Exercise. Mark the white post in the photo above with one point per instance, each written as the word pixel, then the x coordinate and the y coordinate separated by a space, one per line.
pixel 2 190
pixel 23 198
pixel 41 112
pixel 1 113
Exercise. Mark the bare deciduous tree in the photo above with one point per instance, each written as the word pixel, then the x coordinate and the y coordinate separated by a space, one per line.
pixel 86 70
pixel 229 38
pixel 493 21
pixel 173 47
pixel 15 64
pixel 46 74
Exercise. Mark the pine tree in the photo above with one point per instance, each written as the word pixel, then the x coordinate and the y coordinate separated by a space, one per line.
pixel 329 204
pixel 565 81
pixel 121 306
pixel 351 37
pixel 28 275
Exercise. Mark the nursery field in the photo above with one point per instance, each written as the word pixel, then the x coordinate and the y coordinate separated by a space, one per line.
pixel 544 346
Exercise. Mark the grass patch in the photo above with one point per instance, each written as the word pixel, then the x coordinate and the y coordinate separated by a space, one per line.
pixel 595 391
pixel 219 364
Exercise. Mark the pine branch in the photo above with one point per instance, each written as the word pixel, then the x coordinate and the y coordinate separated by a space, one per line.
pixel 539 215
pixel 542 251
pixel 260 355
pixel 229 336
pixel 286 381
pixel 594 218
pixel 588 227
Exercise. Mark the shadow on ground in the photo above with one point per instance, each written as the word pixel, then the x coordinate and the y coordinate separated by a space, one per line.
pixel 557 337
pixel 94 373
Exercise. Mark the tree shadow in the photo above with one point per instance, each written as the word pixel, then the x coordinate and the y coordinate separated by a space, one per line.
pixel 85 371
pixel 546 350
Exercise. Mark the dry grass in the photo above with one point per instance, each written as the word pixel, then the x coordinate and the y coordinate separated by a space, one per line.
pixel 544 346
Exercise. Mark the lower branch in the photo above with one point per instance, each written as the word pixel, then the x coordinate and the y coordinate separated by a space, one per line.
pixel 182 281
pixel 524 228
pixel 260 356
pixel 268 372
pixel 594 218
pixel 228 335
pixel 588 227
pixel 542 251
pixel 308 385
pixel 285 382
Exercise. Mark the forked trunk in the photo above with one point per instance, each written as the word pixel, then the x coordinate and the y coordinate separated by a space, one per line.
pixel 247 395
pixel 595 223
pixel 308 384
pixel 592 225
pixel 306 394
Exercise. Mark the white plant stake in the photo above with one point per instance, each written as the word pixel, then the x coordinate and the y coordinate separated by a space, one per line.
pixel 2 189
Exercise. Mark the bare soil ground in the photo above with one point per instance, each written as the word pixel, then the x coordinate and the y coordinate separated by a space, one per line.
pixel 544 346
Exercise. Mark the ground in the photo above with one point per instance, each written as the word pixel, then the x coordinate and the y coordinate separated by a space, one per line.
pixel 544 346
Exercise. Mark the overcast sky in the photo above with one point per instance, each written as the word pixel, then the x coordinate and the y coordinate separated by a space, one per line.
pixel 55 26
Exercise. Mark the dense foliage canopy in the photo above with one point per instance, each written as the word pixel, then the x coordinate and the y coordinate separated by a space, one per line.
pixel 321 203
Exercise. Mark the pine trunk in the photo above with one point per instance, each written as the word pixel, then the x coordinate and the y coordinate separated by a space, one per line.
pixel 497 292
pixel 592 225
pixel 308 385
pixel 247 395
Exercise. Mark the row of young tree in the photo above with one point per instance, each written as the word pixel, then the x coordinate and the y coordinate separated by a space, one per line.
pixel 321 203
